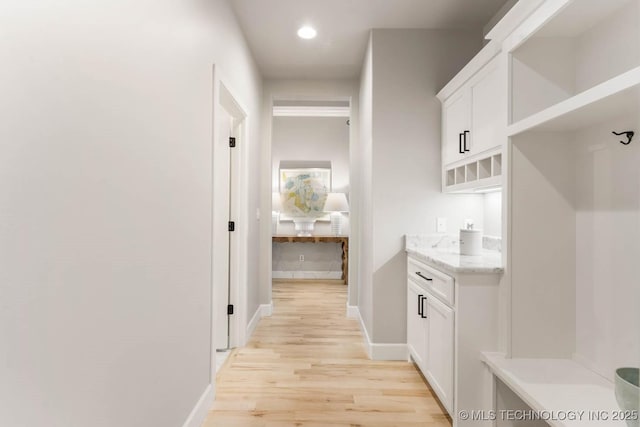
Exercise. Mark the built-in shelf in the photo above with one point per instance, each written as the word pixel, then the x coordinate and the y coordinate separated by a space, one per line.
pixel 461 176
pixel 600 103
pixel 476 175
pixel 484 168
pixel 575 51
pixel 557 386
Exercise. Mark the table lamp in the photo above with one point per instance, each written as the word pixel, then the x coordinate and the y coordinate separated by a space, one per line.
pixel 336 204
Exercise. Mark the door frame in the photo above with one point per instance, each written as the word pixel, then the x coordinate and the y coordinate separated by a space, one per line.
pixel 224 98
pixel 310 90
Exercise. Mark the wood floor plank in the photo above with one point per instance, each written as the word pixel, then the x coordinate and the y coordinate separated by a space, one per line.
pixel 306 366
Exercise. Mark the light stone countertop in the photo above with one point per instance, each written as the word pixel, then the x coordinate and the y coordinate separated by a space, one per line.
pixel 442 253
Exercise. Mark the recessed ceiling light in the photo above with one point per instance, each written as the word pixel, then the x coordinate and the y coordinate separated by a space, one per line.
pixel 307 32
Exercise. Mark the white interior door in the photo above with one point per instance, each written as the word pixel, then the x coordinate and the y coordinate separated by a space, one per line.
pixel 221 234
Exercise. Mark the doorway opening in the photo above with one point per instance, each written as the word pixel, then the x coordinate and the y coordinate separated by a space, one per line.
pixel 310 167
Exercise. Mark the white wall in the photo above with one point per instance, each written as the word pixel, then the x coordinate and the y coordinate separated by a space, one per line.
pixel 607 245
pixel 492 214
pixel 105 247
pixel 300 90
pixel 408 68
pixel 311 139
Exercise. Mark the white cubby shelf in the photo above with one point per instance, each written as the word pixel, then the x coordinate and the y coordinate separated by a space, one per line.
pixel 475 175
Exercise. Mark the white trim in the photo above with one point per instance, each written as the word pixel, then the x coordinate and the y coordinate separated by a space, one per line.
pixel 311 111
pixel 267 309
pixel 365 334
pixel 389 351
pixel 254 322
pixel 352 312
pixel 199 412
pixel 264 310
pixel 378 351
pixel 308 274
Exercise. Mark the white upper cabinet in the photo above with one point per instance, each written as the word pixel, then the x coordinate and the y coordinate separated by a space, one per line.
pixel 475 111
pixel 473 124
pixel 472 115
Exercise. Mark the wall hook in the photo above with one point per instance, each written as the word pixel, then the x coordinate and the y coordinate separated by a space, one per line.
pixel 628 133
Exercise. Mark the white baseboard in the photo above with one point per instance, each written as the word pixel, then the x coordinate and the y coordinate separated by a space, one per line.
pixel 254 322
pixel 388 351
pixel 317 275
pixel 199 412
pixel 352 311
pixel 363 329
pixel 263 310
pixel 378 351
pixel 266 309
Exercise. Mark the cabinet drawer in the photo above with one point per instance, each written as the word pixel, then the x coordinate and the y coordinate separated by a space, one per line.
pixel 436 282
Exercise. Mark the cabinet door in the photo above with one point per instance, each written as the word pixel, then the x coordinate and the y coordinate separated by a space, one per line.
pixel 416 326
pixel 487 109
pixel 456 113
pixel 439 350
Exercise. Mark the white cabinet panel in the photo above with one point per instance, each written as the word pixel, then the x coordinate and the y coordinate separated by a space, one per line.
pixel 439 350
pixel 487 109
pixel 456 119
pixel 416 325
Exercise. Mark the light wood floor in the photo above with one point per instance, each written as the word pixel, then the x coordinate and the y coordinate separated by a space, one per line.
pixel 306 366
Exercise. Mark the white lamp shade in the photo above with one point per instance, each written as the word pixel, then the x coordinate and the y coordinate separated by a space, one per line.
pixel 336 202
pixel 276 203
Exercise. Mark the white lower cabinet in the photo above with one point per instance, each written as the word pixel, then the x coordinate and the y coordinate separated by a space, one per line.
pixel 430 337
pixel 450 322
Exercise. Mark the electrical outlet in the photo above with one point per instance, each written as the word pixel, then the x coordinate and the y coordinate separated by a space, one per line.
pixel 301 258
pixel 441 225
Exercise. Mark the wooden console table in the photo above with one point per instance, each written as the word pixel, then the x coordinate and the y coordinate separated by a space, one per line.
pixel 343 240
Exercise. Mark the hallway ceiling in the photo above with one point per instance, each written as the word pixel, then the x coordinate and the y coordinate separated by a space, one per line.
pixel 343 26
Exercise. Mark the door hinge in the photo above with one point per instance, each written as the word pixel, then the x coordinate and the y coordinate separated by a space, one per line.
pixel 230 309
pixel 232 226
pixel 232 141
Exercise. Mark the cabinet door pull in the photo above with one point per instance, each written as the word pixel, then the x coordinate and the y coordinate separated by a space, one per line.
pixel 460 136
pixel 423 313
pixel 420 304
pixel 423 276
pixel 465 140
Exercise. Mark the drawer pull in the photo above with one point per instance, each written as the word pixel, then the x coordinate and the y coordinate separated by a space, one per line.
pixel 420 304
pixel 423 276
